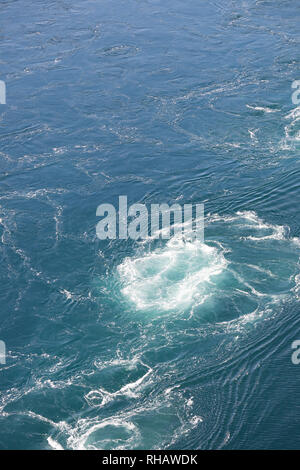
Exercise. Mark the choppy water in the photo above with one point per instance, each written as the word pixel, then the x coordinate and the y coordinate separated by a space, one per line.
pixel 165 344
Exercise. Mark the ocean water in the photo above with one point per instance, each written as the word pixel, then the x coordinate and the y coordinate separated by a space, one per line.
pixel 139 345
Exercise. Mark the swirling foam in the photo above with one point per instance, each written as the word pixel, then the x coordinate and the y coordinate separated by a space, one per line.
pixel 173 276
pixel 244 265
pixel 292 130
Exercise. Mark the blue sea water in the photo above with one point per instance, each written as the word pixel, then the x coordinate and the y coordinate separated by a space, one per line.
pixel 125 345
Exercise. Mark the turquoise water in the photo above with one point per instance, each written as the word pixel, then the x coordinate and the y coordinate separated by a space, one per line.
pixel 161 343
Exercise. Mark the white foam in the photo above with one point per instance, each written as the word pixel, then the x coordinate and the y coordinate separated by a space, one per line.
pixel 171 277
pixel 101 397
pixel 55 445
pixel 87 434
pixel 294 114
pixel 187 274
pixel 263 109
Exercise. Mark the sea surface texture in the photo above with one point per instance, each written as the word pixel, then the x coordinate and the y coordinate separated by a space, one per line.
pixel 158 344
